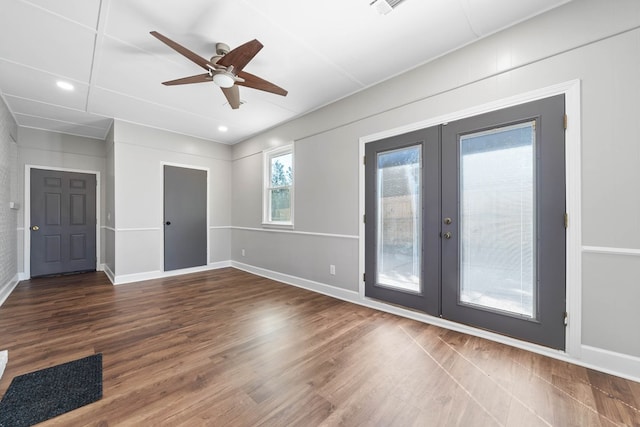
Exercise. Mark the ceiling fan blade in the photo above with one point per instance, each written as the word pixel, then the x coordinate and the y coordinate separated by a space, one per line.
pixel 256 82
pixel 233 96
pixel 200 78
pixel 240 56
pixel 182 50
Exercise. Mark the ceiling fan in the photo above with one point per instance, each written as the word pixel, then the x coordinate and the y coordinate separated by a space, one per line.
pixel 224 69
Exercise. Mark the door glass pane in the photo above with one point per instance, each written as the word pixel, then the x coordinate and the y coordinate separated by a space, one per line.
pixel 497 214
pixel 399 216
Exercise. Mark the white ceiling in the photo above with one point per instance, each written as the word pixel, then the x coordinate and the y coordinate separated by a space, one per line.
pixel 319 51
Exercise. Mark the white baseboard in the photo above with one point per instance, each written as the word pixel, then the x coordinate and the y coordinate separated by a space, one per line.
pixel 7 288
pixel 108 272
pixel 321 288
pixel 617 364
pixel 4 358
pixel 149 275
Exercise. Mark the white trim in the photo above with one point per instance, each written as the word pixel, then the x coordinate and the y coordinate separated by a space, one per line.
pixel 322 288
pixel 220 227
pixel 266 178
pixel 185 166
pixel 110 274
pixel 571 90
pixel 7 288
pixel 27 211
pixel 611 362
pixel 610 251
pixel 303 233
pixel 561 88
pixel 4 358
pixel 573 191
pixel 126 230
pixel 602 360
pixel 149 275
pixel 105 227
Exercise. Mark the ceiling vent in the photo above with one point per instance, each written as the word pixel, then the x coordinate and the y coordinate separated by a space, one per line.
pixel 384 6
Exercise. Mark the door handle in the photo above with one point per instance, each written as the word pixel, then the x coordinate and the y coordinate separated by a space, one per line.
pixel 447 235
pixel 34 228
pixel 168 223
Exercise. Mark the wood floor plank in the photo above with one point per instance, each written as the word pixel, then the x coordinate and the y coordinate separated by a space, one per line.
pixel 229 348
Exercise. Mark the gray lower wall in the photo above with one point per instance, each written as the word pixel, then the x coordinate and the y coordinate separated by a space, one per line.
pixel 594 41
pixel 8 193
pixel 299 255
pixel 611 289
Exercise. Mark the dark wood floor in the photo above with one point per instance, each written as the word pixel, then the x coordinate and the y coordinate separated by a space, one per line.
pixel 228 348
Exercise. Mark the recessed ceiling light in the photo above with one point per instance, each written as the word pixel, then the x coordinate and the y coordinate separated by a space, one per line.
pixel 64 85
pixel 223 128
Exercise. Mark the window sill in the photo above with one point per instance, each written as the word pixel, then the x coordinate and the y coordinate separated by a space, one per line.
pixel 278 225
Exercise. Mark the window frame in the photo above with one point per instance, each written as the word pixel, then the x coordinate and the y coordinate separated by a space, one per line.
pixel 267 156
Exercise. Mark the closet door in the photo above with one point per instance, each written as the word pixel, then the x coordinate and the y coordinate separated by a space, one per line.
pixel 185 218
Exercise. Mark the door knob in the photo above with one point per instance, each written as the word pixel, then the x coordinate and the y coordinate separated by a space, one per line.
pixel 447 235
pixel 35 228
pixel 447 221
pixel 168 223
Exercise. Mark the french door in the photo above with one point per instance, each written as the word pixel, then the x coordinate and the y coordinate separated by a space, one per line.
pixel 466 221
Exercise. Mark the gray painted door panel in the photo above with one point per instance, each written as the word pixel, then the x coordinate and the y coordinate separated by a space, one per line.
pixel 63 222
pixel 547 328
pixel 427 299
pixel 185 218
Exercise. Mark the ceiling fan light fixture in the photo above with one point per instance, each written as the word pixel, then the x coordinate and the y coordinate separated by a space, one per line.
pixel 224 79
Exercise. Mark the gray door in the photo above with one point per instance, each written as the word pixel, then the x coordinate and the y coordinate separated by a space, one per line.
pixel 466 221
pixel 402 250
pixel 503 255
pixel 63 222
pixel 185 218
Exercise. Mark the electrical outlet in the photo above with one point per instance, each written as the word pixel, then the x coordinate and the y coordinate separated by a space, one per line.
pixel 332 270
pixel 243 252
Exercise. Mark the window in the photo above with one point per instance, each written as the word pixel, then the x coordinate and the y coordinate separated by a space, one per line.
pixel 277 203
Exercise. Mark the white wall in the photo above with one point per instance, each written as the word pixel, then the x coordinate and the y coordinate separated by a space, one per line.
pixel 109 217
pixel 8 193
pixel 595 41
pixel 138 157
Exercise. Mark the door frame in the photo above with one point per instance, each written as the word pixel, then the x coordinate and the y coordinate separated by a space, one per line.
pixel 571 90
pixel 27 213
pixel 186 166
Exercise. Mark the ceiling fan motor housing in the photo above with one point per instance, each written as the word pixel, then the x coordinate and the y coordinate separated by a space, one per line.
pixel 222 49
